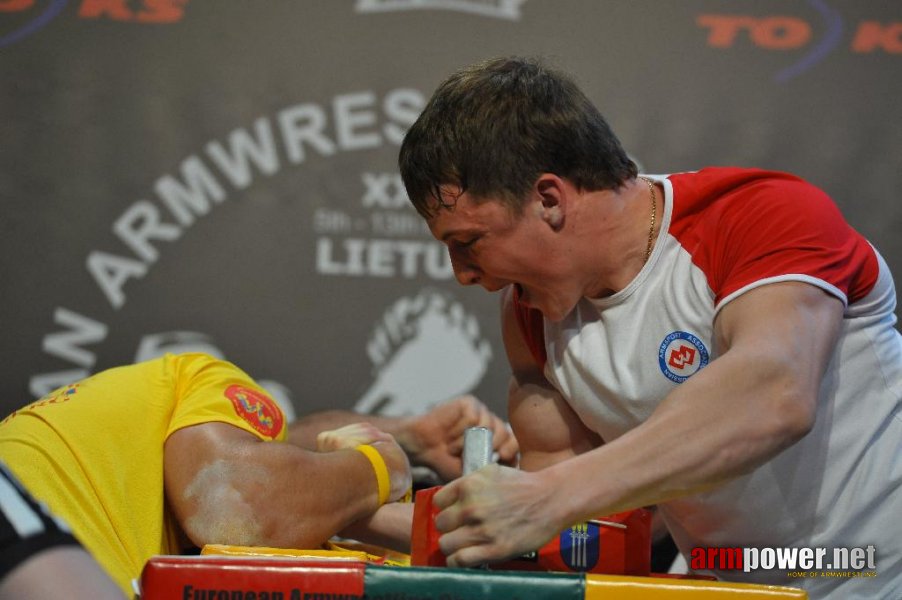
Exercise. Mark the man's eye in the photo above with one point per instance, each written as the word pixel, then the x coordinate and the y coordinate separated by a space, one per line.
pixel 467 243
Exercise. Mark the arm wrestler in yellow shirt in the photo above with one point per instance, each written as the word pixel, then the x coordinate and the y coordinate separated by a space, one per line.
pixel 158 456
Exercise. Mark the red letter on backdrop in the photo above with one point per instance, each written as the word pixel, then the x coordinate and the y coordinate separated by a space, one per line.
pixel 161 11
pixel 15 5
pixel 724 28
pixel 780 33
pixel 114 9
pixel 872 34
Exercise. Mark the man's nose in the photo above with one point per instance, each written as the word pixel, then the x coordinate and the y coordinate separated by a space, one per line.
pixel 465 272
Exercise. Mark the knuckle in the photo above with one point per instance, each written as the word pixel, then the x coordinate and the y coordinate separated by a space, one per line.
pixel 467 401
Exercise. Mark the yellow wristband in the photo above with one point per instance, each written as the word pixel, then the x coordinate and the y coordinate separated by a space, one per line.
pixel 379 468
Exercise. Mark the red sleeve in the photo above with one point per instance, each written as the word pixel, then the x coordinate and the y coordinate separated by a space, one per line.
pixel 532 326
pixel 743 226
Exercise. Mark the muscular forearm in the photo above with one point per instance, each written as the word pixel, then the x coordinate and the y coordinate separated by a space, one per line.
pixel 725 421
pixel 281 499
pixel 225 486
pixel 389 527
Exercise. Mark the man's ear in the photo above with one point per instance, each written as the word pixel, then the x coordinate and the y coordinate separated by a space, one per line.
pixel 551 192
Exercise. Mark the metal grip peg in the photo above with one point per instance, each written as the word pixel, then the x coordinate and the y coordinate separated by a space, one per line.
pixel 477 451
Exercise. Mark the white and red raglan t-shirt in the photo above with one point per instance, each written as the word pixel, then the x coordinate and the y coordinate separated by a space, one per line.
pixel 726 231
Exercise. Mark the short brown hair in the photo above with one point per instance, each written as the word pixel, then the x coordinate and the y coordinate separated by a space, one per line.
pixel 492 128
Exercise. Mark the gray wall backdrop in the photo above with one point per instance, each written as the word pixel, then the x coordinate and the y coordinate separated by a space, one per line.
pixel 220 175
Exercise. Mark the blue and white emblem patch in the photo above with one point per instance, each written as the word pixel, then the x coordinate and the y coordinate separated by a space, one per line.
pixel 681 355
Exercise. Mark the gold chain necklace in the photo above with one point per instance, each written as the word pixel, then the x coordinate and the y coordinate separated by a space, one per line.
pixel 654 213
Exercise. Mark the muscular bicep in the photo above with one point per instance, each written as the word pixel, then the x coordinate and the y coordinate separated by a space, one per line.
pixel 781 337
pixel 224 485
pixel 202 464
pixel 547 429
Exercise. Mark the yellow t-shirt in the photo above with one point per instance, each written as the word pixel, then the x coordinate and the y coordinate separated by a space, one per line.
pixel 93 450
